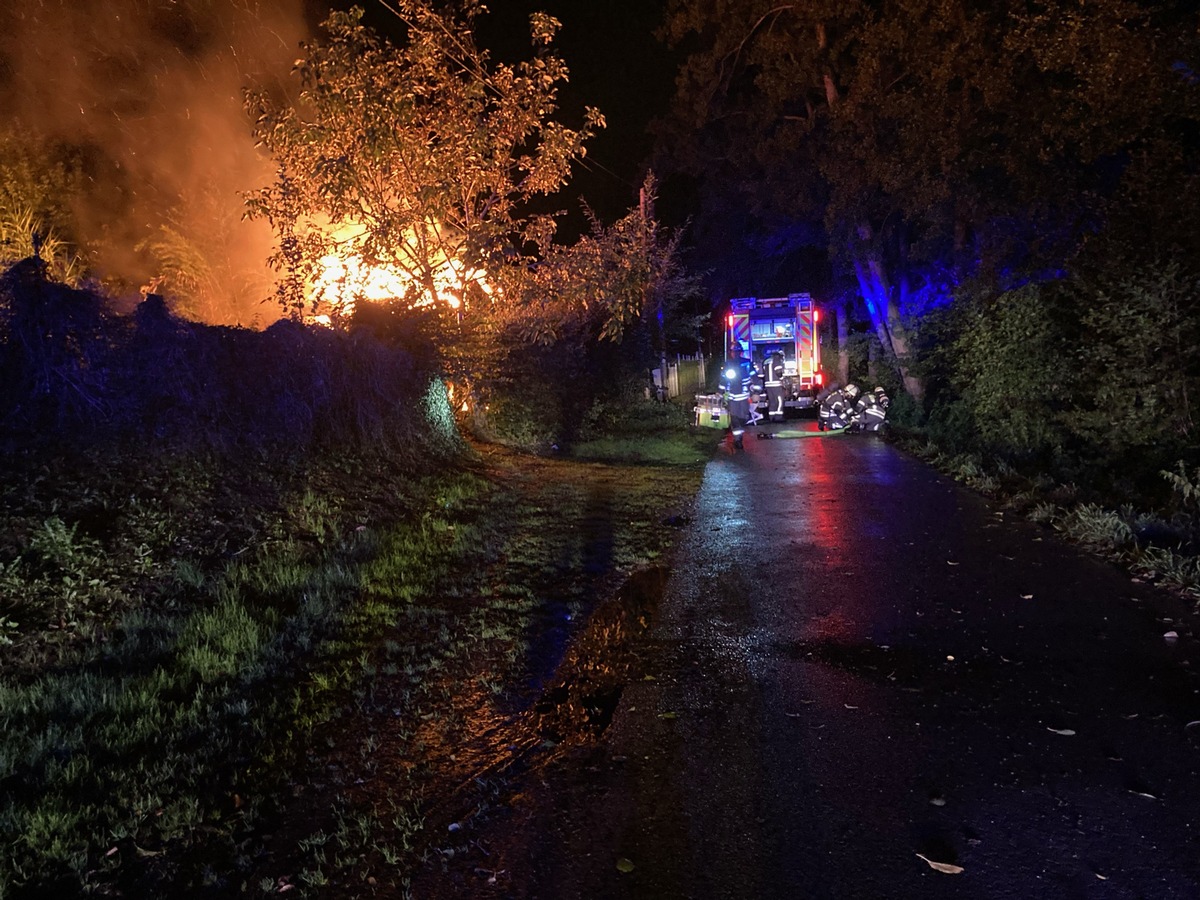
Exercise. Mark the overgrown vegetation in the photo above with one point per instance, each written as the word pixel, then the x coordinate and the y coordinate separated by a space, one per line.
pixel 185 683
pixel 234 562
pixel 75 372
pixel 1156 534
pixel 418 155
pixel 1087 379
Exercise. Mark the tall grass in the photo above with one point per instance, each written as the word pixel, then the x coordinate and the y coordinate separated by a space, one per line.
pixel 182 724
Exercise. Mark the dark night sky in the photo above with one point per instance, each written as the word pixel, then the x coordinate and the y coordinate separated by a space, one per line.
pixel 616 65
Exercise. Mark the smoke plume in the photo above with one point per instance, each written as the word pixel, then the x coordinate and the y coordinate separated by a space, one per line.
pixel 149 93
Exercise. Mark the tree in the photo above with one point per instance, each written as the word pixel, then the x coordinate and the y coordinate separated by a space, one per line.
pixel 613 280
pixel 411 160
pixel 932 140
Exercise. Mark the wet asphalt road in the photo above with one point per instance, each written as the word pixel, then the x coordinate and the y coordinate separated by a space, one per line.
pixel 858 663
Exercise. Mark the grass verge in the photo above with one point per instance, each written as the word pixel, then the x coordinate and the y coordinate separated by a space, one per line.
pixel 1161 546
pixel 272 681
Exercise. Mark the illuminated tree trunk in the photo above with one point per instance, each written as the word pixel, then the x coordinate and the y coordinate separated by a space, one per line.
pixel 881 301
pixel 883 307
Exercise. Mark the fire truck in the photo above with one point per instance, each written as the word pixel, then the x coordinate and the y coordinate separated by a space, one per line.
pixel 761 326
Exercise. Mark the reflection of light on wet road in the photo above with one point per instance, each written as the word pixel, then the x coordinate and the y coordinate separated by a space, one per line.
pixel 808 519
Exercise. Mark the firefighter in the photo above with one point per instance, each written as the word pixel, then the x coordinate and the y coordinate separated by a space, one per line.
pixel 756 393
pixel 735 386
pixel 852 396
pixel 835 410
pixel 824 410
pixel 874 413
pixel 773 367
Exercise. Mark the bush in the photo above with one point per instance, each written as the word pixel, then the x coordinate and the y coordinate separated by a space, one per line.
pixel 76 375
pixel 1011 371
pixel 1088 377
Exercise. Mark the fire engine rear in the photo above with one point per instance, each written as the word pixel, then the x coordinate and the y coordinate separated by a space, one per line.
pixel 779 336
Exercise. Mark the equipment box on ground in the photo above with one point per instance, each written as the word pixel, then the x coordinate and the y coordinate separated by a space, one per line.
pixel 709 412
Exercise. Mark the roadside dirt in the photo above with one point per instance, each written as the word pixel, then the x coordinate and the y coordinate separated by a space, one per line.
pixel 586 541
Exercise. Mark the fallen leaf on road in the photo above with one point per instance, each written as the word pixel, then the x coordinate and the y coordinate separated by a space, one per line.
pixel 1143 794
pixel 1171 636
pixel 668 715
pixel 949 563
pixel 1064 731
pixel 1027 596
pixel 624 865
pixel 942 867
pixel 848 706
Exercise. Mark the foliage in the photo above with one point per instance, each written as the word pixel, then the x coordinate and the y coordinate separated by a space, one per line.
pixel 581 325
pixel 609 282
pixel 1186 487
pixel 203 264
pixel 24 235
pixel 130 744
pixel 935 141
pixel 300 628
pixel 631 427
pixel 1011 375
pixel 1137 358
pixel 415 157
pixel 75 374
pixel 1090 376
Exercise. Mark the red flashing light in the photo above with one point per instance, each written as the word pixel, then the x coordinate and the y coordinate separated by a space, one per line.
pixel 820 378
pixel 731 320
pixel 816 315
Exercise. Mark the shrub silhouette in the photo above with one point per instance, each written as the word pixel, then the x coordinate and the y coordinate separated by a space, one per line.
pixel 75 374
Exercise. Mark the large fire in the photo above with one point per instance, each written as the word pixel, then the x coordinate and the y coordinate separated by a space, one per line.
pixel 346 279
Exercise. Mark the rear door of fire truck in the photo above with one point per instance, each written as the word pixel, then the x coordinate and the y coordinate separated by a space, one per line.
pixel 808 359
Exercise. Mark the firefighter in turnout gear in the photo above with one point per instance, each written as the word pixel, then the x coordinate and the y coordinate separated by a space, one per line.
pixel 824 412
pixel 853 410
pixel 773 371
pixel 874 413
pixel 756 395
pixel 835 410
pixel 735 382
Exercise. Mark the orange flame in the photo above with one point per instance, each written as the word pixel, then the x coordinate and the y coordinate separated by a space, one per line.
pixel 346 279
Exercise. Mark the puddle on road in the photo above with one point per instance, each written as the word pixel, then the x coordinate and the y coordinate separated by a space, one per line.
pixel 581 697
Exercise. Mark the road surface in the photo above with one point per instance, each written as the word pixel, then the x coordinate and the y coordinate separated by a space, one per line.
pixel 863 681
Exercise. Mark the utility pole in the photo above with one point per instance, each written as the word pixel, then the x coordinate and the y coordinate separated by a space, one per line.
pixel 646 207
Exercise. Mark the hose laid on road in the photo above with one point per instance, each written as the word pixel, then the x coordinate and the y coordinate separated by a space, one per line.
pixel 792 433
